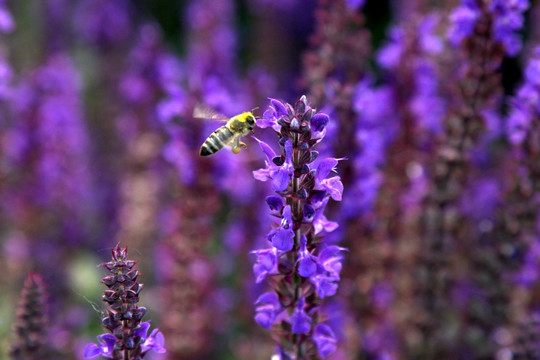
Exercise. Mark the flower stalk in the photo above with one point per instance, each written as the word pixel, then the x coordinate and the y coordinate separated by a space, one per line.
pixel 128 338
pixel 302 269
pixel 31 325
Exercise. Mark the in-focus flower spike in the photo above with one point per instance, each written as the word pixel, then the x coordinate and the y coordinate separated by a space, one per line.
pixel 302 188
pixel 128 339
pixel 30 341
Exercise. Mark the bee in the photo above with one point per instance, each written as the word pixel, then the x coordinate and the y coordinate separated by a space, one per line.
pixel 227 135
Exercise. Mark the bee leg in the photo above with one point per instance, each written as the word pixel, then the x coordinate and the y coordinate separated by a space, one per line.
pixel 236 147
pixel 243 145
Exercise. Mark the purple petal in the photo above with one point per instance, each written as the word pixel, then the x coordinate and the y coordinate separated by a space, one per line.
pixel 325 167
pixel 91 351
pixel 301 322
pixel 324 339
pixel 283 239
pixel 142 331
pixel 288 152
pixel 262 174
pixel 307 267
pixel 334 186
pixel 279 107
pixel 281 179
pixel 268 151
pixel 267 306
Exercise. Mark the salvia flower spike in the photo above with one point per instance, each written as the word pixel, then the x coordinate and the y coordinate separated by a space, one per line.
pixel 301 267
pixel 128 337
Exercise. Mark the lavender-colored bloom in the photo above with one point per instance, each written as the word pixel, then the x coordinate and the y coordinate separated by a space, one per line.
pixel 463 20
pixel 300 321
pixel 104 347
pixel 324 338
pixel 304 188
pixel 508 20
pixel 266 263
pixel 374 132
pixel 267 308
pixel 128 338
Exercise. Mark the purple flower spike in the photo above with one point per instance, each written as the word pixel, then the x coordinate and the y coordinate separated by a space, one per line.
pixel 267 308
pixel 324 338
pixel 128 338
pixel 301 322
pixel 303 190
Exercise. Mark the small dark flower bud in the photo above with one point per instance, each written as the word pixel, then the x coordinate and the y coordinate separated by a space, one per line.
pixel 308 182
pixel 305 169
pixel 303 146
pixel 295 124
pixel 290 111
pixel 129 343
pixel 308 115
pixel 314 155
pixel 302 194
pixel 282 121
pixel 282 140
pixel 300 107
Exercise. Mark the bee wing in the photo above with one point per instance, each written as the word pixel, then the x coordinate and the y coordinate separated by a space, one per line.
pixel 202 111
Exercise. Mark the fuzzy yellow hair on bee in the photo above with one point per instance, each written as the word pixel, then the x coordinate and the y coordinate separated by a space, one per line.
pixel 227 135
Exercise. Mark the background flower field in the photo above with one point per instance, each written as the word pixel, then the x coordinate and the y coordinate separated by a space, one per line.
pixel 421 201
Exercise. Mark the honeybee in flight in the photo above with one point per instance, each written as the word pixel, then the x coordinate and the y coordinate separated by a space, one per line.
pixel 228 134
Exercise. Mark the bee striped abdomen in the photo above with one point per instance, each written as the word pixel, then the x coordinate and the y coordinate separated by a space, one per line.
pixel 216 141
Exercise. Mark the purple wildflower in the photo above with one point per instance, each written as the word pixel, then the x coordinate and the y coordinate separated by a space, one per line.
pixel 128 338
pixel 324 338
pixel 306 269
pixel 267 308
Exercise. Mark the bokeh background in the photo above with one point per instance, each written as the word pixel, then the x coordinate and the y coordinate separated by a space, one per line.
pixel 98 147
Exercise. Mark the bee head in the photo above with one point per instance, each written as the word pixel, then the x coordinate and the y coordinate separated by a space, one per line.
pixel 250 119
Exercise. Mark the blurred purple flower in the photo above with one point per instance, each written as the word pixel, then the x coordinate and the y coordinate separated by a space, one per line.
pixel 103 22
pixel 507 21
